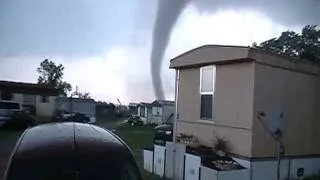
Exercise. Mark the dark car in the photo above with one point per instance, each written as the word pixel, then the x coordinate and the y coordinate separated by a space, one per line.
pixel 19 120
pixel 77 117
pixel 71 151
pixel 135 121
pixel 163 133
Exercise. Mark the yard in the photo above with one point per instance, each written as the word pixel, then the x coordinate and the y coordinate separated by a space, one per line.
pixel 137 138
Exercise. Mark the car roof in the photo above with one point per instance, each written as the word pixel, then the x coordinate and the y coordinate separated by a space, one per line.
pixel 69 142
pixel 66 136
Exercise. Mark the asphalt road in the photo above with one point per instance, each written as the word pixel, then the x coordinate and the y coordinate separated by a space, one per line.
pixel 6 146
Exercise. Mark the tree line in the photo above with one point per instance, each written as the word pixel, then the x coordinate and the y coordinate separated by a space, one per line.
pixel 304 45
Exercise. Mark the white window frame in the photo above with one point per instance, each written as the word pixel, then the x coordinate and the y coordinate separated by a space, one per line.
pixel 214 79
pixel 207 92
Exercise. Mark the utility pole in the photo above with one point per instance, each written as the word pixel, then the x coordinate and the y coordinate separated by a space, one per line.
pixel 71 96
pixel 280 151
pixel 175 124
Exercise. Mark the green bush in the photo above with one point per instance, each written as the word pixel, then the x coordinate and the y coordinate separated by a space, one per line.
pixel 313 177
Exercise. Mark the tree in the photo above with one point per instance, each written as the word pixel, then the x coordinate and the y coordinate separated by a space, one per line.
pixel 112 107
pixel 85 95
pixel 81 95
pixel 305 45
pixel 51 74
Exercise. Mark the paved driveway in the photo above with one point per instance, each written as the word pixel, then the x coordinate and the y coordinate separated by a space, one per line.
pixel 7 143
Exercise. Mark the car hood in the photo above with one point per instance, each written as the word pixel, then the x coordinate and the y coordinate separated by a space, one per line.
pixel 164 127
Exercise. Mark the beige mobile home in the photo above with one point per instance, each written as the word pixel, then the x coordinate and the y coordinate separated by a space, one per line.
pixel 239 93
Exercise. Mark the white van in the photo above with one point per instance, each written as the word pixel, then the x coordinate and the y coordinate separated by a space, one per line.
pixel 7 108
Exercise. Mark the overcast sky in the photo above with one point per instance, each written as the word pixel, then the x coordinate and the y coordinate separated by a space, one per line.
pixel 105 45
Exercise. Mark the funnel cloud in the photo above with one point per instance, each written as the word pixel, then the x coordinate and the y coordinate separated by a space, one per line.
pixel 167 15
pixel 285 12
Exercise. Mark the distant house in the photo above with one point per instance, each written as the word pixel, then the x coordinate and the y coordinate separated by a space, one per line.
pixel 144 111
pixel 133 108
pixel 121 110
pixel 104 109
pixel 77 105
pixel 37 99
pixel 157 112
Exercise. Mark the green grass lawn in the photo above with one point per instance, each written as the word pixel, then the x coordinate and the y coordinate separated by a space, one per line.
pixel 315 177
pixel 138 138
pixel 8 134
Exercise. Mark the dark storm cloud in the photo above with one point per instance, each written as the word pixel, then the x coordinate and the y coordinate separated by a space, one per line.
pixel 63 27
pixel 285 12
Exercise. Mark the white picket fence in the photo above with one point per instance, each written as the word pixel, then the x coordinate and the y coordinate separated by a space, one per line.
pixel 159 160
pixel 192 167
pixel 148 160
pixel 211 174
pixel 173 162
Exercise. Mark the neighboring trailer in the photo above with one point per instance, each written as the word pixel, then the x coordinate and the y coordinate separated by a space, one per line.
pixel 76 105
